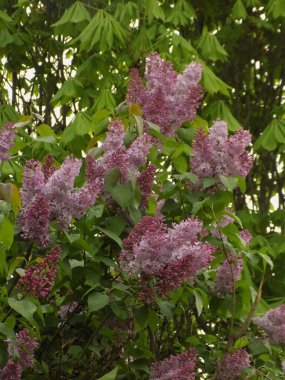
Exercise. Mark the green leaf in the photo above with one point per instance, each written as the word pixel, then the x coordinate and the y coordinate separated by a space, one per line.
pixel 167 308
pixel 6 233
pixel 111 235
pixel 219 110
pixel 110 375
pixel 45 130
pixel 123 194
pixel 181 13
pixel 229 182
pixel 210 47
pixel 102 30
pixel 212 83
pixel 97 301
pixel 5 38
pixel 76 14
pixel 72 88
pixel 111 179
pixel 153 10
pixel 277 8
pixel 241 342
pixel 23 307
pixel 4 17
pixel 141 315
pixel 239 12
pixel 10 193
pixel 208 182
pixel 198 301
pixel 272 136
pixel 105 100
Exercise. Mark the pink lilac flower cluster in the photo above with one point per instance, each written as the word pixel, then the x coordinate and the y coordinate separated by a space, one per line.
pixel 168 99
pixel 7 136
pixel 172 255
pixel 175 367
pixel 227 274
pixel 38 279
pixel 48 194
pixel 246 236
pixel 127 160
pixel 25 346
pixel 273 323
pixel 234 364
pixel 218 154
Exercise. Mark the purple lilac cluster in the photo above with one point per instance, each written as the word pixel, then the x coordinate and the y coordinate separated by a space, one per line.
pixel 227 274
pixel 218 154
pixel 273 323
pixel 175 367
pixel 7 136
pixel 168 99
pixel 39 279
pixel 246 236
pixel 171 255
pixel 48 194
pixel 25 346
pixel 234 364
pixel 127 160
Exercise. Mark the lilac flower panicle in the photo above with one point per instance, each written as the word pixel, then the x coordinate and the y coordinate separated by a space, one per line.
pixel 168 98
pixel 48 193
pixel 128 160
pixel 11 371
pixel 145 181
pixel 273 323
pixel 175 367
pixel 217 154
pixel 234 364
pixel 246 236
pixel 172 255
pixel 38 279
pixel 227 274
pixel 25 346
pixel 34 221
pixel 7 136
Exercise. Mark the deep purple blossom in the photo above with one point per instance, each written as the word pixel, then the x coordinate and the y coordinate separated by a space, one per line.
pixel 217 154
pixel 175 367
pixel 38 279
pixel 7 136
pixel 167 99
